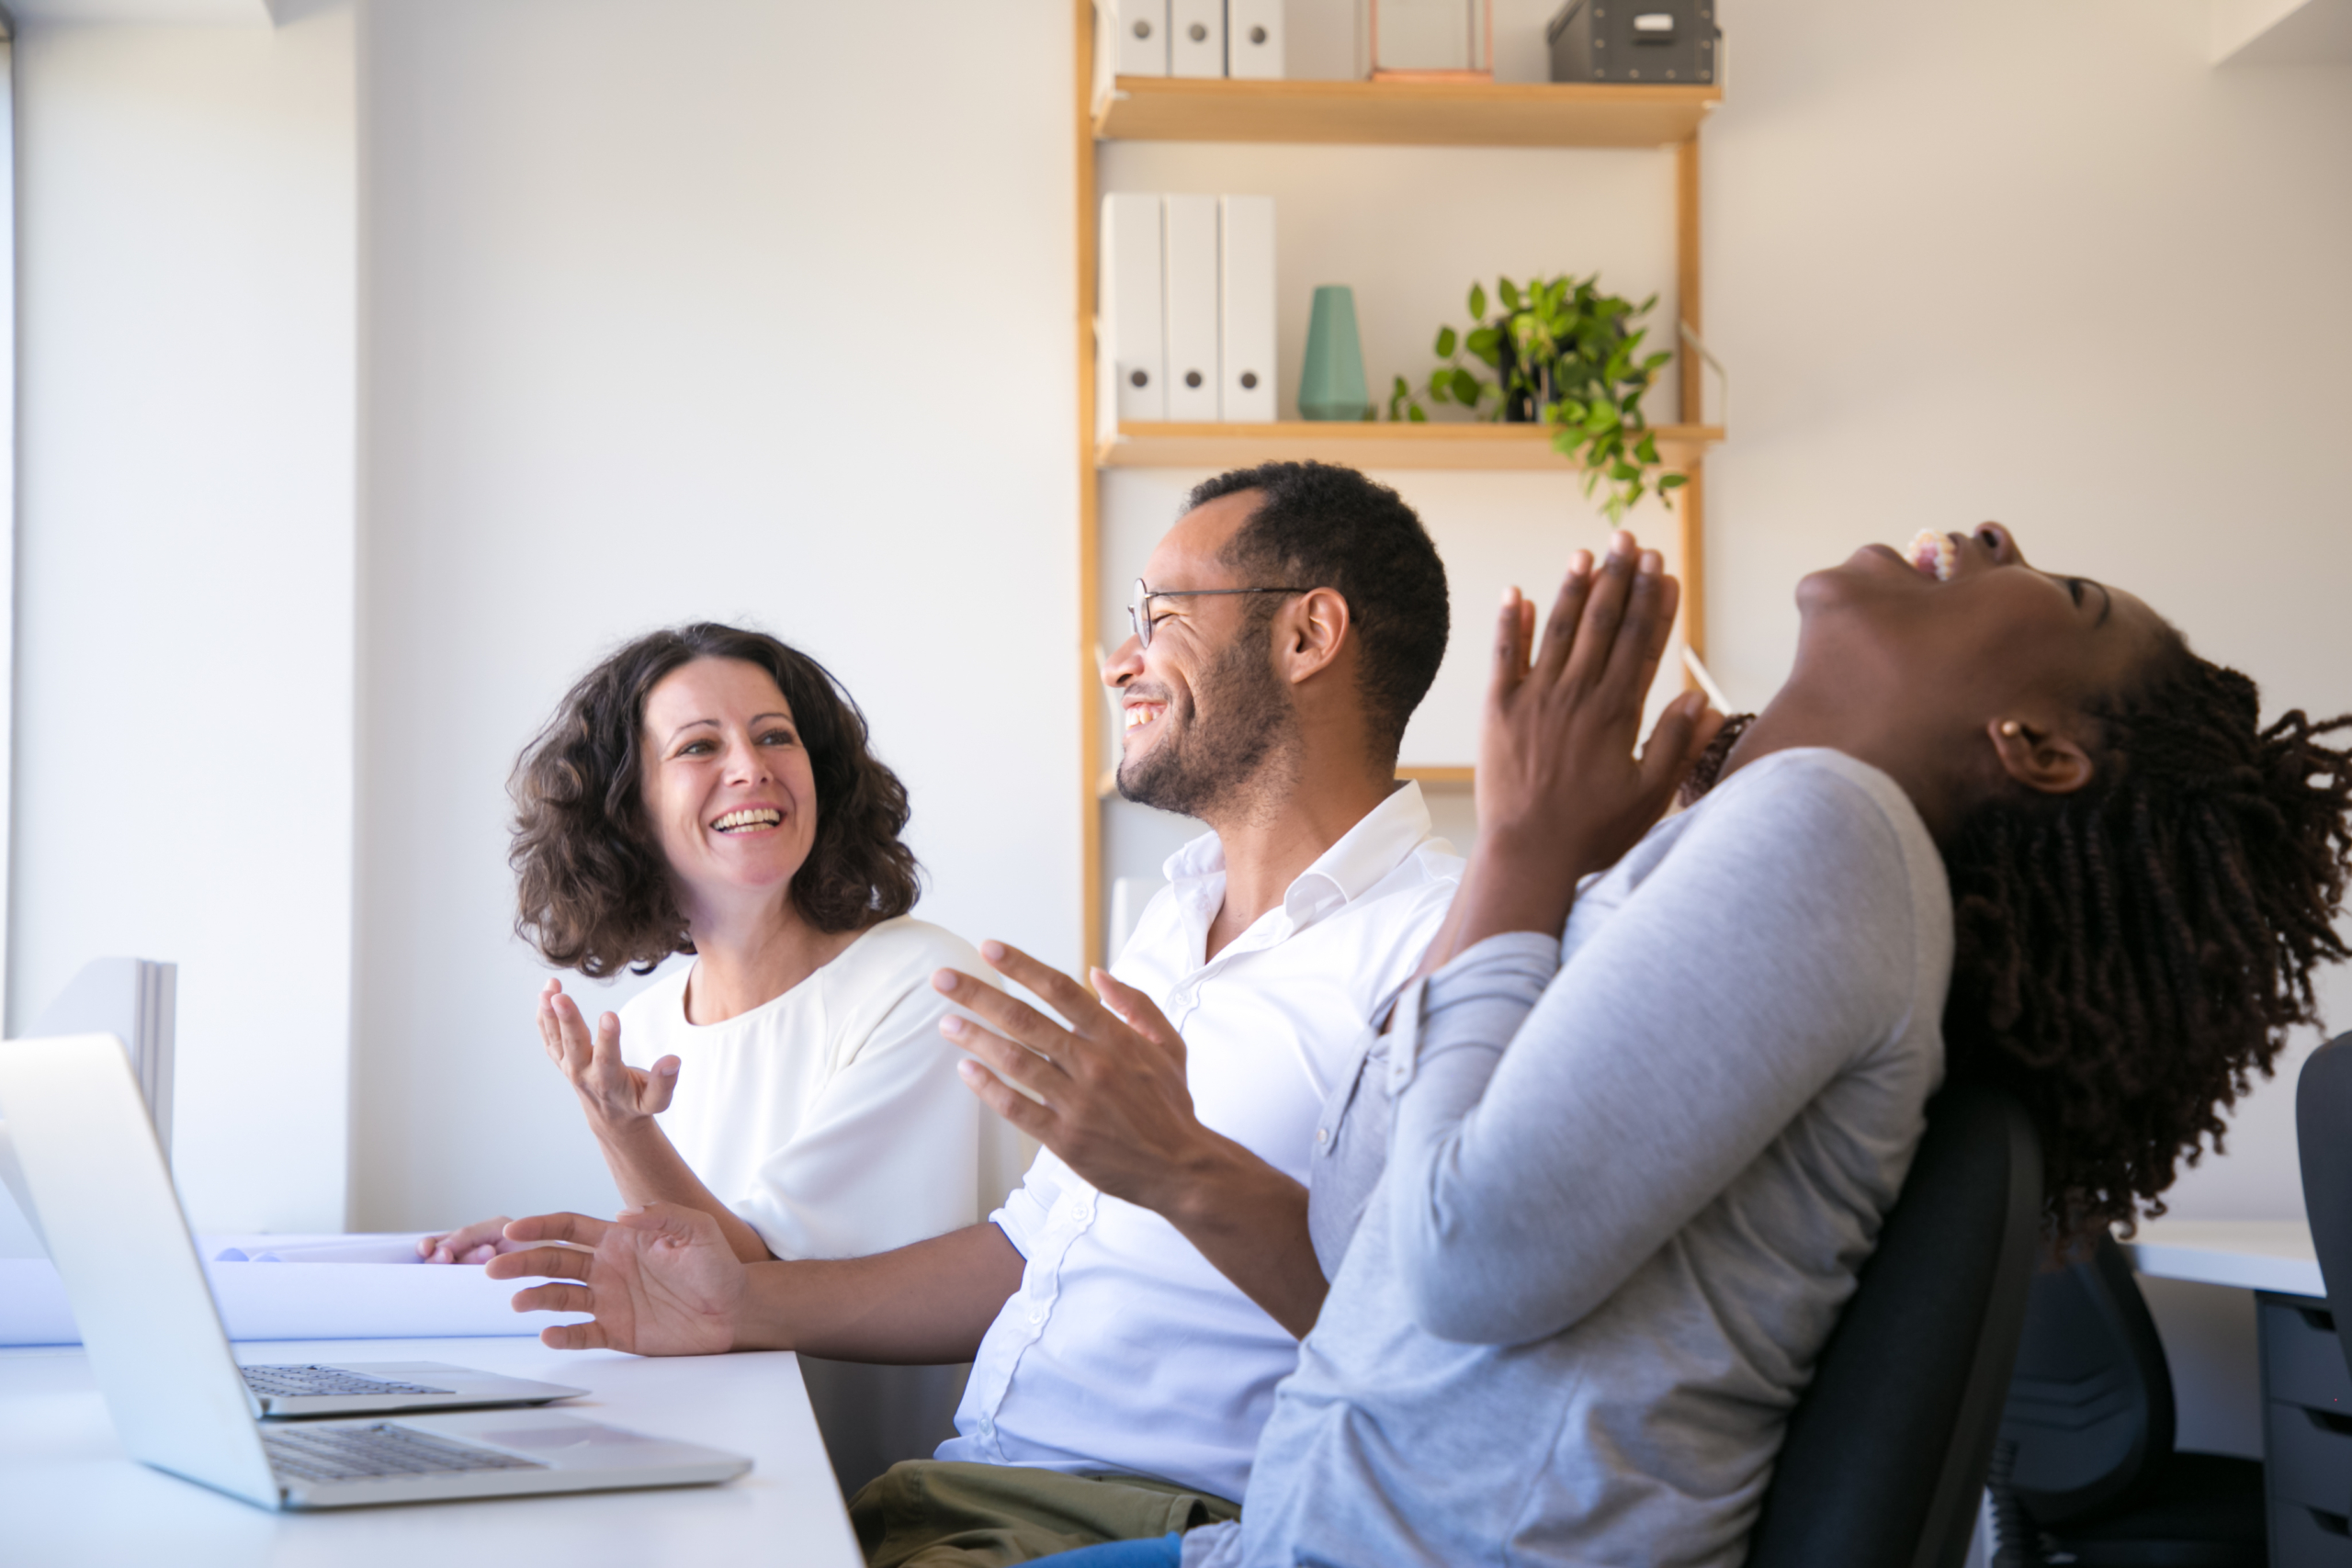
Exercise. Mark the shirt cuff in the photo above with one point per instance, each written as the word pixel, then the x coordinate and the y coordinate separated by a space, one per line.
pixel 1477 1000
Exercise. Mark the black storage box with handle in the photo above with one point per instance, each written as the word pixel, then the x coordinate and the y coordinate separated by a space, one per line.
pixel 1635 41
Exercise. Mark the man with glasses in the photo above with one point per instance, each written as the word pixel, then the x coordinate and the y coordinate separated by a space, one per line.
pixel 1283 632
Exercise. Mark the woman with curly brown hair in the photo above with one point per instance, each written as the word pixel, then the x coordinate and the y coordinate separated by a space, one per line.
pixel 709 790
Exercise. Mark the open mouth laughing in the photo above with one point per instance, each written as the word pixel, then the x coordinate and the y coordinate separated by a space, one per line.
pixel 1933 554
pixel 750 820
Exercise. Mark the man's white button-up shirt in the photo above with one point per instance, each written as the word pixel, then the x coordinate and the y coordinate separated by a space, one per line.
pixel 1124 1349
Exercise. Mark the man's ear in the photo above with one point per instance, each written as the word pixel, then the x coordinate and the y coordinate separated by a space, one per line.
pixel 1311 629
pixel 2041 759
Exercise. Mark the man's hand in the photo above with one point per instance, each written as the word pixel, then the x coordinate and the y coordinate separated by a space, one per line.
pixel 1108 1095
pixel 1109 1091
pixel 616 1096
pixel 660 1280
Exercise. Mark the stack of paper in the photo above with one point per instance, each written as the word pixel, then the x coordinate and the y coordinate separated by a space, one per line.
pixel 304 1287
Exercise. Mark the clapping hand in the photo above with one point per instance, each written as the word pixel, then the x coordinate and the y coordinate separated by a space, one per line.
pixel 1561 792
pixel 659 1281
pixel 1107 1094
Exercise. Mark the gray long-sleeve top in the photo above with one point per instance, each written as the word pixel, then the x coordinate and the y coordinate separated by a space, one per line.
pixel 1630 1180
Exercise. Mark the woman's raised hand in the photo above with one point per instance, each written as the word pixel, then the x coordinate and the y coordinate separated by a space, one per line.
pixel 1561 792
pixel 613 1093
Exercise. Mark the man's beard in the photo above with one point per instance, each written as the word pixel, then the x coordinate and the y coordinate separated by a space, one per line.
pixel 1201 765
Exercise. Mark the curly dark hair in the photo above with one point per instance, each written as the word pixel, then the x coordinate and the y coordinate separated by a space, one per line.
pixel 2129 957
pixel 1322 525
pixel 592 890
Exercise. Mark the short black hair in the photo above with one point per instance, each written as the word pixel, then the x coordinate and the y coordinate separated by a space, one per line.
pixel 1320 525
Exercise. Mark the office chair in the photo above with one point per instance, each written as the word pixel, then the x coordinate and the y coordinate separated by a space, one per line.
pixel 2324 1134
pixel 1885 1453
pixel 2084 1470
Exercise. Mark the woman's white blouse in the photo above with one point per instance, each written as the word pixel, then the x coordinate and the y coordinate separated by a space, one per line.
pixel 831 1119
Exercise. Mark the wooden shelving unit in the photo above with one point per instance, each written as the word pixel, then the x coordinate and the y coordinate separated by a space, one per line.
pixel 1152 109
pixel 1366 446
pixel 1415 114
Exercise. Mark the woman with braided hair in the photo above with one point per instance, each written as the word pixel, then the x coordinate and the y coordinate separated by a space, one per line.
pixel 2125 948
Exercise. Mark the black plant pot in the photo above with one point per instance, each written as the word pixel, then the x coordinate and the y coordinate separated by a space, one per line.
pixel 1521 407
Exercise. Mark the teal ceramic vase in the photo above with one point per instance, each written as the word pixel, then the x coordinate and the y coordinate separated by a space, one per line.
pixel 1331 383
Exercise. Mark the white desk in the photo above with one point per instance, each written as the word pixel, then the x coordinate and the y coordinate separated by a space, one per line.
pixel 69 1497
pixel 2253 1255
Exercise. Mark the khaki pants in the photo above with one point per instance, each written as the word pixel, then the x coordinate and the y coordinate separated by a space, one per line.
pixel 931 1514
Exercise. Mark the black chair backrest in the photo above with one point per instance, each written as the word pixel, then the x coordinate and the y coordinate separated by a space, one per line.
pixel 2090 1409
pixel 2324 1134
pixel 1885 1455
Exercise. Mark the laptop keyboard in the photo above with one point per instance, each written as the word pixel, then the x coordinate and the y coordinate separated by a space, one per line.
pixel 284 1382
pixel 360 1453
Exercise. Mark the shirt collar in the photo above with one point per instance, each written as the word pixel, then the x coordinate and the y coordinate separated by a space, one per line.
pixel 1365 853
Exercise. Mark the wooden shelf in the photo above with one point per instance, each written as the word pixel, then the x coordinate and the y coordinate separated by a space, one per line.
pixel 1106 786
pixel 1365 445
pixel 1417 114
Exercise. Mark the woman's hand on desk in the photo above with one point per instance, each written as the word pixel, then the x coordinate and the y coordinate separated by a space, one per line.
pixel 617 1097
pixel 660 1280
pixel 477 1243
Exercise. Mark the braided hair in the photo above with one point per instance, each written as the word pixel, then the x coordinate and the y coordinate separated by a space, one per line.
pixel 2129 956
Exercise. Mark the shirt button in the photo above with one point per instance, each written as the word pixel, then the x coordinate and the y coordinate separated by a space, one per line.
pixel 1322 1134
pixel 1037 1314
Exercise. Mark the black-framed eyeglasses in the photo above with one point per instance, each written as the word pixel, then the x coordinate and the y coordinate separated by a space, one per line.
pixel 1139 601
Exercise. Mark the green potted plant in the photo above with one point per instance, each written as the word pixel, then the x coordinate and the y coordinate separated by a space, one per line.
pixel 1562 353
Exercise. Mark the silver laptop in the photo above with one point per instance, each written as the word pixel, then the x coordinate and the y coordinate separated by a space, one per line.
pixel 179 1400
pixel 377 1387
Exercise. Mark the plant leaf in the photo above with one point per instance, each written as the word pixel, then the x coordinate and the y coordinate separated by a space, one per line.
pixel 1465 389
pixel 1417 416
pixel 1478 301
pixel 1509 291
pixel 1446 342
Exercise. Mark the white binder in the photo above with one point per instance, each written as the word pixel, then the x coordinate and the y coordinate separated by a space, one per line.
pixel 1253 39
pixel 1189 226
pixel 1197 38
pixel 1246 267
pixel 1136 33
pixel 1128 346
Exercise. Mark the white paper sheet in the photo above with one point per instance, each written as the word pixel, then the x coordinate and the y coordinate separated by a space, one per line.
pixel 325 1286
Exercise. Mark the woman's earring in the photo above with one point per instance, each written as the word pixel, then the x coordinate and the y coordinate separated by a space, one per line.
pixel 2009 727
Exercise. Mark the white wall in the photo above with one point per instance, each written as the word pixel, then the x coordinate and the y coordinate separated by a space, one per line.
pixel 184 681
pixel 702 307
